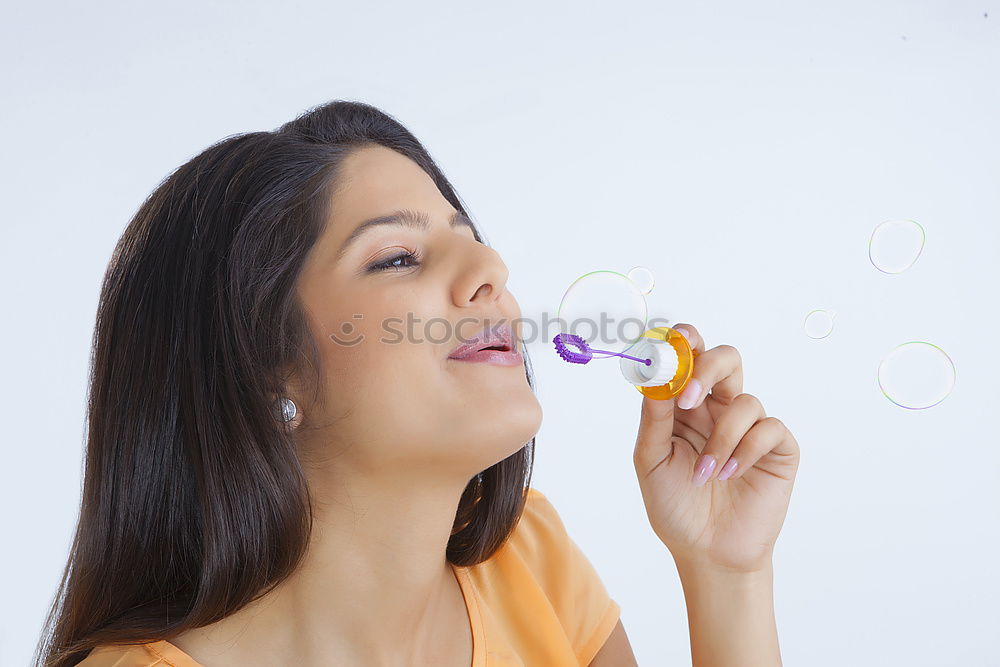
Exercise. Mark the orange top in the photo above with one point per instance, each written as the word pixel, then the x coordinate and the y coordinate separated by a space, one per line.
pixel 536 601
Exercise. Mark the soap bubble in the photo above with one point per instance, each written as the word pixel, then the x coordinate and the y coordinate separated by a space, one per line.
pixel 606 309
pixel 642 277
pixel 916 375
pixel 819 323
pixel 895 245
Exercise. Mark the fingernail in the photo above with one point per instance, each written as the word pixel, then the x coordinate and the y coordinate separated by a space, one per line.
pixel 689 395
pixel 702 471
pixel 684 332
pixel 728 469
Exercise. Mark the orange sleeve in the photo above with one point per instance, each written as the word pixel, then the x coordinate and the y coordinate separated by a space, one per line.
pixel 574 588
pixel 116 655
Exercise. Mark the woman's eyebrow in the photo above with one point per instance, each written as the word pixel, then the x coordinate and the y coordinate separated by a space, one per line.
pixel 405 217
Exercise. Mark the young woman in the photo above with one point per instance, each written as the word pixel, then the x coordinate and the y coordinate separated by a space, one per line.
pixel 288 465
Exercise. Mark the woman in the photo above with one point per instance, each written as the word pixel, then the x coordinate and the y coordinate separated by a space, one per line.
pixel 288 465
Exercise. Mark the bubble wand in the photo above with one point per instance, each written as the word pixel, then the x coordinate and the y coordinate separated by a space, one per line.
pixel 661 369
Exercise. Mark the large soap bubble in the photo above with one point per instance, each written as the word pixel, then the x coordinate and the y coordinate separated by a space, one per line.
pixel 606 308
pixel 916 375
pixel 895 245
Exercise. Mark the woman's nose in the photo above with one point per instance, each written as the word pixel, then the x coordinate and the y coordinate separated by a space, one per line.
pixel 483 279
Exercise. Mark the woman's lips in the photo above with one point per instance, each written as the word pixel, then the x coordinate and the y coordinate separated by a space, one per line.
pixel 496 357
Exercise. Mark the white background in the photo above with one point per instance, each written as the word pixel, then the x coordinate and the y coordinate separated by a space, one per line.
pixel 742 151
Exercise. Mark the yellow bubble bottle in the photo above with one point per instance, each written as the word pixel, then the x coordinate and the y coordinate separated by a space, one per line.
pixel 671 363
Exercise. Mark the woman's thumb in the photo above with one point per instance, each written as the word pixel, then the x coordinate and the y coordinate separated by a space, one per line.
pixel 656 429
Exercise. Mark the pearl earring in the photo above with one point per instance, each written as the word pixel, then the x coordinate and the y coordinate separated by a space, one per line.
pixel 288 409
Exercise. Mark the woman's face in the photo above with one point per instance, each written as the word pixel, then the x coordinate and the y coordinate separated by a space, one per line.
pixel 394 401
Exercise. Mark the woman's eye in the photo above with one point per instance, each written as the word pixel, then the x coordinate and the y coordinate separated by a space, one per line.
pixel 391 263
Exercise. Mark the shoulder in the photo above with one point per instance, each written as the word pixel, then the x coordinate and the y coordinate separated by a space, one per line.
pixel 542 540
pixel 566 576
pixel 150 654
pixel 541 537
pixel 119 655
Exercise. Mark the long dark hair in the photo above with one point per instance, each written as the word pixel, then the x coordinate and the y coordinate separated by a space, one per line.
pixel 194 501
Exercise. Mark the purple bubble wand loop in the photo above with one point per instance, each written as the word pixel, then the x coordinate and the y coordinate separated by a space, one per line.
pixel 586 353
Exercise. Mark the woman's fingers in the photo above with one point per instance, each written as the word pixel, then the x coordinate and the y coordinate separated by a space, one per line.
pixel 738 433
pixel 730 442
pixel 767 435
pixel 719 371
pixel 693 337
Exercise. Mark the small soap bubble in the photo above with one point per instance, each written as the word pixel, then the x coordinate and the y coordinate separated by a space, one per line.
pixel 819 323
pixel 916 375
pixel 643 279
pixel 895 245
pixel 605 308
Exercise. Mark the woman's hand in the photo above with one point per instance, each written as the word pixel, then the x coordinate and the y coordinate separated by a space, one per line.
pixel 703 520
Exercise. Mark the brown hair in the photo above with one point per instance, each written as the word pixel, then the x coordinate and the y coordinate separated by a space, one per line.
pixel 194 502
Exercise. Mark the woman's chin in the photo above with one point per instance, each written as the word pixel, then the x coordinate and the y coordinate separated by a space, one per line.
pixel 510 423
